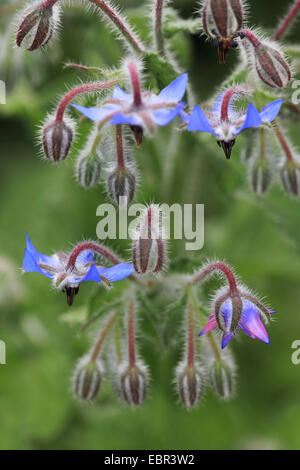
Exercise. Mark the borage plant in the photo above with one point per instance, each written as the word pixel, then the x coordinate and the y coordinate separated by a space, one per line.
pixel 149 89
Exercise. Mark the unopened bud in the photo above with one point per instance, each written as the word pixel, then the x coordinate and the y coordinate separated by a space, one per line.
pixel 57 138
pixel 260 175
pixel 190 384
pixel 88 378
pixel 228 313
pixel 121 183
pixel 222 379
pixel 88 169
pixel 37 26
pixel 222 20
pixel 271 67
pixel 149 247
pixel 133 383
pixel 290 176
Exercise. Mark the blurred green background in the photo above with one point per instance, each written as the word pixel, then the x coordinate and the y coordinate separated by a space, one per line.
pixel 259 236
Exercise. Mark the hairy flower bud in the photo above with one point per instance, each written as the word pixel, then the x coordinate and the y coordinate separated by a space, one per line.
pixel 88 169
pixel 290 177
pixel 121 182
pixel 222 379
pixel 190 384
pixel 260 175
pixel 88 377
pixel 149 248
pixel 222 20
pixel 37 26
pixel 57 138
pixel 132 383
pixel 271 66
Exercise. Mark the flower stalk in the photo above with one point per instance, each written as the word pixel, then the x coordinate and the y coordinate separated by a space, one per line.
pixel 158 27
pixel 287 21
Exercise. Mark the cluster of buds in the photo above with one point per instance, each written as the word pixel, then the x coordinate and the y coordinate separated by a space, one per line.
pixel 222 21
pixel 149 246
pixel 38 24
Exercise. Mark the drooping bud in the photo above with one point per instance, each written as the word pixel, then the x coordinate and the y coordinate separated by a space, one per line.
pixel 88 167
pixel 132 383
pixel 88 377
pixel 260 175
pixel 121 182
pixel 260 171
pixel 222 21
pixel 269 61
pixel 149 247
pixel 222 378
pixel 190 384
pixel 290 177
pixel 37 25
pixel 57 138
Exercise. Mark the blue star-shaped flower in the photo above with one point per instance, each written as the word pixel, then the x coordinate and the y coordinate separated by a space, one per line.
pixel 250 322
pixel 152 110
pixel 68 279
pixel 225 122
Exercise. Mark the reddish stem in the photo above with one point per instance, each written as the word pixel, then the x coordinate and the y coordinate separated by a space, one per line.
pixel 131 336
pixel 283 142
pixel 190 338
pixel 218 266
pixel 135 81
pixel 251 37
pixel 158 26
pixel 85 88
pixel 48 3
pixel 119 146
pixel 225 103
pixel 94 247
pixel 97 348
pixel 287 20
pixel 119 23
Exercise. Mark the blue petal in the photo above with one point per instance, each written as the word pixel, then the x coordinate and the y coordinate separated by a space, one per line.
pixel 91 275
pixel 86 256
pixel 174 92
pixel 95 114
pixel 252 119
pixel 117 272
pixel 227 337
pixel 269 112
pixel 199 122
pixel 251 323
pixel 120 94
pixel 30 265
pixel 162 117
pixel 226 311
pixel 39 257
pixel 126 119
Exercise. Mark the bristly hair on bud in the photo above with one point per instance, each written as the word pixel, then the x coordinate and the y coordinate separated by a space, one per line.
pixel 268 60
pixel 132 375
pixel 37 24
pixel 89 162
pixel 222 20
pixel 190 382
pixel 260 167
pixel 149 247
pixel 88 378
pixel 57 137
